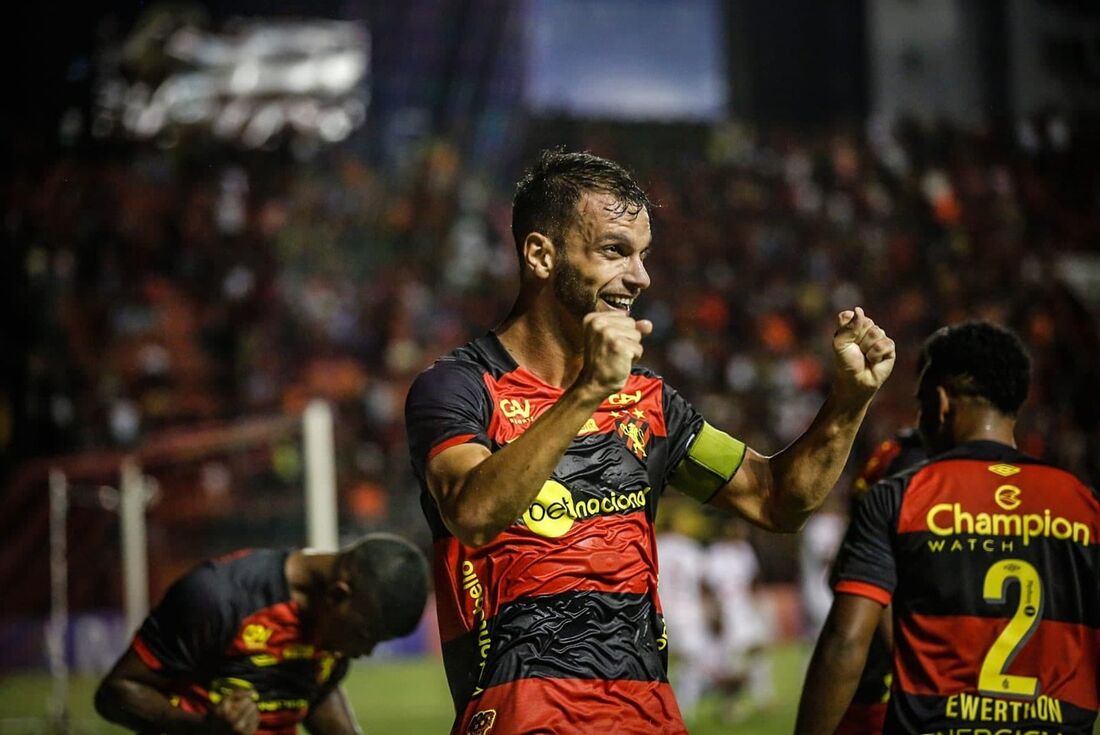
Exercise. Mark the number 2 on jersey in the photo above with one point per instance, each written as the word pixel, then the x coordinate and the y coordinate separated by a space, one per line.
pixel 992 680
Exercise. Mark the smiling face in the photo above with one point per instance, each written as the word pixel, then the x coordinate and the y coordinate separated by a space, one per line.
pixel 600 266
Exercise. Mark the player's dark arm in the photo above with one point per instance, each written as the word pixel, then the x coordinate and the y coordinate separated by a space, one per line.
pixel 782 491
pixel 837 663
pixel 480 493
pixel 133 695
pixel 332 716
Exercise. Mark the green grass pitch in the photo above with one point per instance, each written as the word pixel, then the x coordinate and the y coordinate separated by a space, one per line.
pixel 395 696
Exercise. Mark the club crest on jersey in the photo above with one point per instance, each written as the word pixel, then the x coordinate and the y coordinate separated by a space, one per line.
pixel 255 636
pixel 482 722
pixel 632 426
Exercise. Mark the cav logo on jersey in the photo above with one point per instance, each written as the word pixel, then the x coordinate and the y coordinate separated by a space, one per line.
pixel 624 399
pixel 1008 497
pixel 482 722
pixel 255 636
pixel 516 411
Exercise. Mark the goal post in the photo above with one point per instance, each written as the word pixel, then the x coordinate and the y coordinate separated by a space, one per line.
pixel 57 708
pixel 322 532
pixel 135 547
pixel 71 484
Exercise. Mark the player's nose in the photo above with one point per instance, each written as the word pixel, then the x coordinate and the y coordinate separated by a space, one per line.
pixel 636 277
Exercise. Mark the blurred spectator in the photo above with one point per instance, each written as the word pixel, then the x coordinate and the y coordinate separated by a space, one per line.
pixel 196 284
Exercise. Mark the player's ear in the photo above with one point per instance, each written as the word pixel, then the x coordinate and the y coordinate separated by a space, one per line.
pixel 943 403
pixel 338 593
pixel 538 255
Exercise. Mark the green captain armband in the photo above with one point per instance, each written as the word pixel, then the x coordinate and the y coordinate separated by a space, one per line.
pixel 712 459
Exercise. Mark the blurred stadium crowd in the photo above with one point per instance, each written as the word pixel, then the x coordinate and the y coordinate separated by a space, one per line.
pixel 196 285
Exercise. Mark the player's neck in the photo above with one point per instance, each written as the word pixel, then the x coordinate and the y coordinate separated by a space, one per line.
pixel 984 424
pixel 544 343
pixel 308 572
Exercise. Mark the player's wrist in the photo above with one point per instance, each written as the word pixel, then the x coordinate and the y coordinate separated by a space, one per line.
pixel 588 393
pixel 850 398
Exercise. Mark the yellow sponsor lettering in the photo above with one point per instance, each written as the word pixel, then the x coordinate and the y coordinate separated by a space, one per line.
pixel 555 510
pixel 949 519
pixel 472 584
pixel 972 707
pixel 273 705
pixel 299 650
pixel 324 671
pixel 933 524
pixel 550 514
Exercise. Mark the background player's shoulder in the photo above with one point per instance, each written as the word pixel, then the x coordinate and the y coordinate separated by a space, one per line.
pixel 646 373
pixel 891 489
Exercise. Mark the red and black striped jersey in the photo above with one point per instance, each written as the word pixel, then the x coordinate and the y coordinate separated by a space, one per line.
pixel 230 623
pixel 991 560
pixel 555 625
pixel 867 712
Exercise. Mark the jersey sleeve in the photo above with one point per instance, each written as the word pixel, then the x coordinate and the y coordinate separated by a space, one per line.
pixel 866 564
pixel 701 459
pixel 447 405
pixel 189 629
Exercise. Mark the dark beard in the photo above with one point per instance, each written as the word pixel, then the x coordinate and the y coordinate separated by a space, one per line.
pixel 571 290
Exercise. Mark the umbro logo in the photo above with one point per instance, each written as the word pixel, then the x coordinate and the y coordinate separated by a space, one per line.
pixel 1004 470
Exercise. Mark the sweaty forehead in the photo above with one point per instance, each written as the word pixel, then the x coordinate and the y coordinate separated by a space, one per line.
pixel 600 213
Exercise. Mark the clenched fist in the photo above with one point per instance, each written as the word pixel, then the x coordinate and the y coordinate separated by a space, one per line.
pixel 612 344
pixel 864 355
pixel 235 714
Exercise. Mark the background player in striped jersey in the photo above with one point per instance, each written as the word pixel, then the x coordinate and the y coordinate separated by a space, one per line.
pixel 542 451
pixel 989 557
pixel 258 641
pixel 867 712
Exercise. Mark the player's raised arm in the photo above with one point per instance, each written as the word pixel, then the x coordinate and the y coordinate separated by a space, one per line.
pixel 780 492
pixel 479 493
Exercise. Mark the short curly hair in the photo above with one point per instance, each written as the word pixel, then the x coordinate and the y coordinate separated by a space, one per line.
pixel 978 359
pixel 389 579
pixel 546 196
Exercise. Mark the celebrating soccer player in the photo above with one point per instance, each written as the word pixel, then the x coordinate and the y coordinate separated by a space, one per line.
pixel 989 557
pixel 258 641
pixel 542 450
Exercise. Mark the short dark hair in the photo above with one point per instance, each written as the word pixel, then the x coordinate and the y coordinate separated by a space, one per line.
pixel 547 194
pixel 978 359
pixel 390 576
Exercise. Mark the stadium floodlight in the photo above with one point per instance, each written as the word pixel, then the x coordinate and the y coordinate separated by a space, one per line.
pixel 243 82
